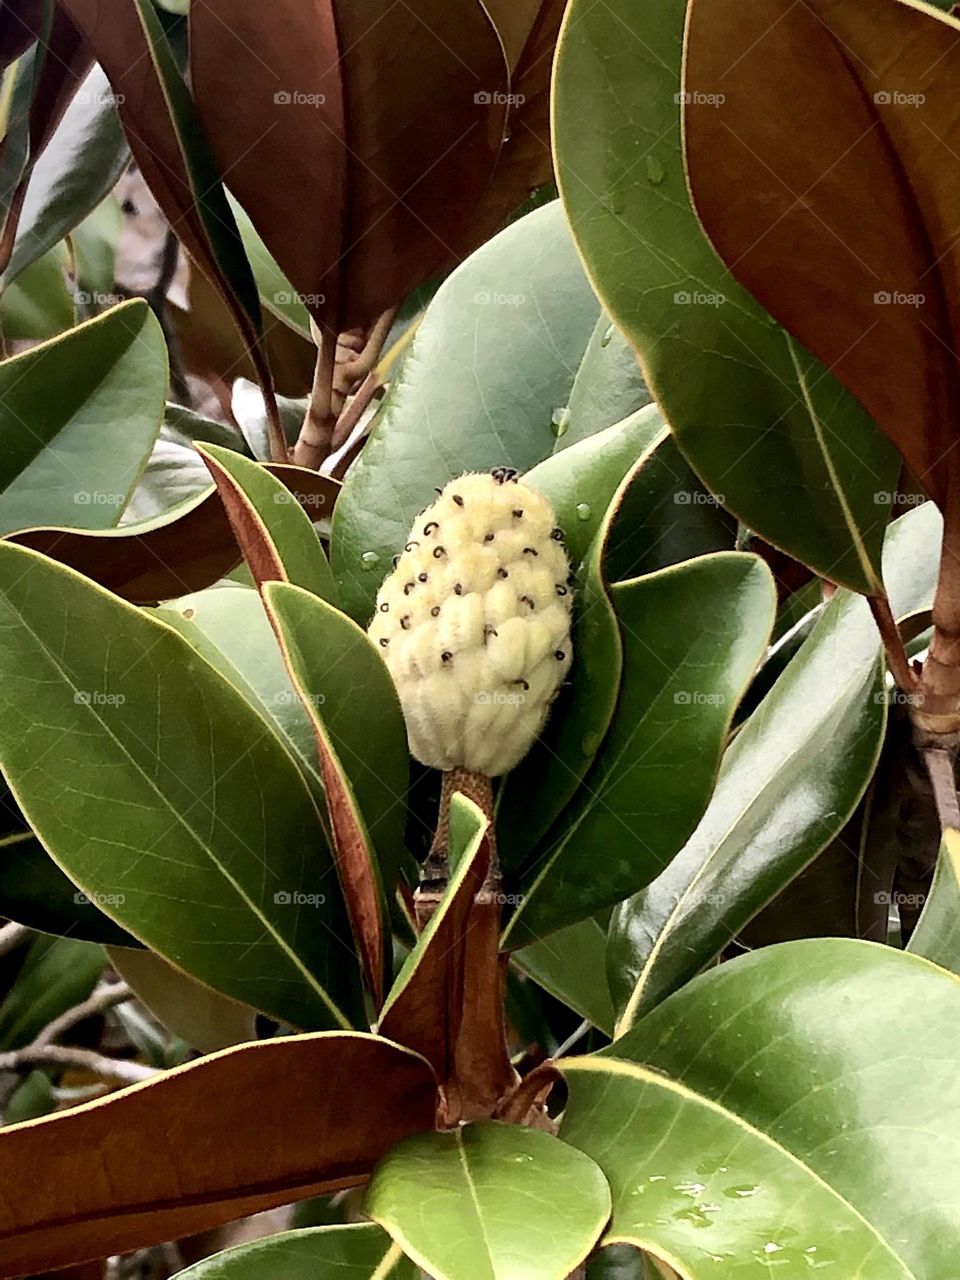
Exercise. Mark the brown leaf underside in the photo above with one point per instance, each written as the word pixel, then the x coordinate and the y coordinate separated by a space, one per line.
pixel 224 1137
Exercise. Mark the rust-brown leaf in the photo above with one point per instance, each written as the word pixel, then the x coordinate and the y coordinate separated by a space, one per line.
pixel 357 138
pixel 229 1135
pixel 821 142
pixel 172 557
pixel 447 1001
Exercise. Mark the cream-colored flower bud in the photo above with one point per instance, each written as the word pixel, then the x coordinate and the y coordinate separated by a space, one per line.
pixel 474 623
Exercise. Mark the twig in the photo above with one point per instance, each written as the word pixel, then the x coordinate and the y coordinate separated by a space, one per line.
pixel 103 998
pixel 332 383
pixel 56 1055
pixel 13 936
pixel 354 410
pixel 939 762
pixel 900 666
pixel 574 1038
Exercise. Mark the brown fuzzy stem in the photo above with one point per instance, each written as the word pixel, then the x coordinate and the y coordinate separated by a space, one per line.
pixel 897 659
pixel 939 712
pixel 435 871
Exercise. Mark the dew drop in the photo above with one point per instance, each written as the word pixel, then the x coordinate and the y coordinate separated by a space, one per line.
pixel 370 559
pixel 608 336
pixel 560 421
pixel 655 171
pixel 583 511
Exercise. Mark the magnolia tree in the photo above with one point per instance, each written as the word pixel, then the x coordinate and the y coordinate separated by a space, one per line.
pixel 484 793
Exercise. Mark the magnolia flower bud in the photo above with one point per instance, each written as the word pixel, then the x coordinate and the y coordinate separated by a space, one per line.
pixel 474 623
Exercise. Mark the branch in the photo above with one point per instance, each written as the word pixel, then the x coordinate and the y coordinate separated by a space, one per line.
pixel 13 936
pixel 40 1055
pixel 103 998
pixel 939 762
pixel 900 665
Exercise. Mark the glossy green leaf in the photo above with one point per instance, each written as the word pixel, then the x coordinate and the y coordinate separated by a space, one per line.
pixel 93 248
pixel 78 167
pixel 38 305
pixel 230 628
pixel 937 935
pixel 766 426
pixel 355 1251
pixel 581 480
pixel 78 417
pixel 491 361
pixel 349 694
pixel 490 1202
pixel 205 1019
pixel 570 964
pixel 587 485
pixel 57 974
pixel 272 528
pixel 788 784
pixel 167 797
pixel 743 1123
pixel 608 387
pixel 692 636
pixel 34 891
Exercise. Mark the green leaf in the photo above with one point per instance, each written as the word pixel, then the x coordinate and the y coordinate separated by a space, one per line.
pixel 59 459
pixel 491 360
pixel 34 891
pixel 78 167
pixel 692 636
pixel 581 480
pixel 347 689
pixel 764 424
pixel 57 974
pixel 93 247
pixel 588 481
pixel 205 1019
pixel 490 1202
pixel 272 529
pixel 790 780
pixel 570 965
pixel 361 745
pixel 152 782
pixel 937 934
pixel 229 627
pixel 609 385
pixel 743 1122
pixel 355 1251
pixel 38 304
